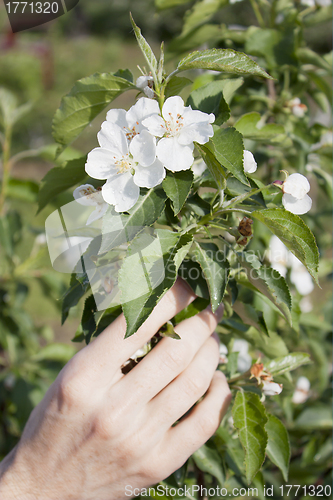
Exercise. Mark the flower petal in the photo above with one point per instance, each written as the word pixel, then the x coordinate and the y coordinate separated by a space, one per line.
pixel 121 191
pixel 295 205
pixel 143 148
pixel 117 116
pixel 173 155
pixel 250 164
pixel 85 195
pixel 302 280
pixel 149 176
pixel 173 106
pixel 100 163
pixel 271 388
pixel 196 126
pixel 296 185
pixel 97 213
pixel 155 125
pixel 113 138
pixel 143 108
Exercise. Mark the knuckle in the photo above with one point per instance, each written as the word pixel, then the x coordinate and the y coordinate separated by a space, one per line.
pixel 103 427
pixel 69 393
pixel 175 359
pixel 196 385
pixel 207 424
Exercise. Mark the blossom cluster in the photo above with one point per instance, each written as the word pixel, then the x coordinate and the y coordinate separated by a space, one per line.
pixel 137 146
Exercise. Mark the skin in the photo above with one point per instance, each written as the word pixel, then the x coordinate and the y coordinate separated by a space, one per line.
pixel 97 430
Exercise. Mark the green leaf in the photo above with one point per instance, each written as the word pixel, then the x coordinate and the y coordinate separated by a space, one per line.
pixel 215 268
pixel 198 305
pixel 209 99
pixel 227 146
pixel 146 50
pixel 58 179
pixel 278 447
pixel 213 166
pixel 200 13
pixel 287 363
pixel 250 127
pixel 167 4
pixel 249 419
pixel 55 352
pixel 84 102
pixel 315 418
pixel 22 190
pixel 175 85
pixel 120 228
pixel 308 56
pixel 275 46
pixel 226 60
pixel 268 281
pixel 250 316
pixel 146 274
pixel 294 233
pixel 209 460
pixel 177 186
pixel 75 292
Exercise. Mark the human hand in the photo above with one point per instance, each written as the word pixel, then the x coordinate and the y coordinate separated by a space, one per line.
pixel 98 430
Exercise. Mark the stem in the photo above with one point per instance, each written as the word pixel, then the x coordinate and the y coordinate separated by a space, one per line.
pixel 257 13
pixel 245 196
pixel 6 167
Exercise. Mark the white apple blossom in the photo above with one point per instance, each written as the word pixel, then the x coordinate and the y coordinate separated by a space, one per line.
pixel 145 83
pixel 302 390
pixel 295 198
pixel 249 163
pixel 125 166
pixel 244 359
pixel 270 388
pixel 297 108
pixel 87 195
pixel 131 121
pixel 281 259
pixel 178 127
pixel 223 354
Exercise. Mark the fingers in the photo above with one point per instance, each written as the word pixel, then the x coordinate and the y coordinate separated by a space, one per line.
pixel 181 394
pixel 168 359
pixel 181 441
pixel 103 357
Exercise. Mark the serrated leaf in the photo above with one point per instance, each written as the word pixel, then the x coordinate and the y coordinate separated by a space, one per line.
pixel 175 85
pixel 177 186
pixel 215 268
pixel 250 316
pixel 226 60
pixel 209 460
pixel 146 50
pixel 287 363
pixel 213 165
pixel 58 179
pixel 294 233
pixel 278 447
pixel 249 419
pixel 88 322
pixel 84 102
pixel 210 99
pixel 268 281
pixel 227 146
pixel 147 272
pixel 121 228
pixel 249 126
